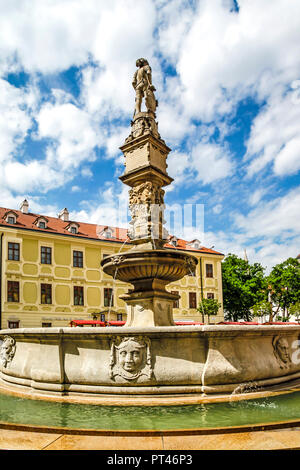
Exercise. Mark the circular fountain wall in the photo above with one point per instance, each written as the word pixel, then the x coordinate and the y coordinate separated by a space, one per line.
pixel 149 362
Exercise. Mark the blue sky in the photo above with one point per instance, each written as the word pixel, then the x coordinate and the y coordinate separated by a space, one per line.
pixel 227 75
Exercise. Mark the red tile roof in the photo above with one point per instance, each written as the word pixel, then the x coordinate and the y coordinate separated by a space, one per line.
pixel 85 230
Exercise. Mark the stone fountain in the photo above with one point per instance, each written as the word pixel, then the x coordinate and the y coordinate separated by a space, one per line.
pixel 147 266
pixel 149 358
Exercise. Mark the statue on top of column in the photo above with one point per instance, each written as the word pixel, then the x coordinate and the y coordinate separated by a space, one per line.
pixel 142 83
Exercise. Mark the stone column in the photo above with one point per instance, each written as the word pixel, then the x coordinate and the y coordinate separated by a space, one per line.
pixel 146 173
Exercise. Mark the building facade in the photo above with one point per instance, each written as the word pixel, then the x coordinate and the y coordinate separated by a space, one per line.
pixel 51 273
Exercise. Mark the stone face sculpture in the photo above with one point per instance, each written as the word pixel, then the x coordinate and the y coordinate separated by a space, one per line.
pixel 7 350
pixel 142 83
pixel 130 359
pixel 281 351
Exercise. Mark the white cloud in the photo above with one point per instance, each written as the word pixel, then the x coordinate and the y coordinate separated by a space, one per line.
pixel 72 133
pixel 288 159
pixel 274 137
pixel 15 120
pixel 224 56
pixel 124 33
pixel 278 217
pixel 205 162
pixel 212 162
pixel 110 207
pixel 256 196
pixel 217 209
pixel 178 166
pixel 48 36
pixel 31 176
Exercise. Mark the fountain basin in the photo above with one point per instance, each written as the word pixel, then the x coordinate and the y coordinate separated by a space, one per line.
pixel 140 268
pixel 169 361
pixel 272 411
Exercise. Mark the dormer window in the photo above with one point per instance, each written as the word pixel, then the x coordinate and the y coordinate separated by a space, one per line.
pixel 41 222
pixel 195 244
pixel 11 217
pixel 73 227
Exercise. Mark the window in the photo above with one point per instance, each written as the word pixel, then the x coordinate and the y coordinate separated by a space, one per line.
pixel 209 270
pixel 73 229
pixel 102 317
pixel 176 302
pixel 13 324
pixel 13 251
pixel 42 224
pixel 46 294
pixel 46 325
pixel 78 295
pixel 119 317
pixel 192 300
pixel 45 255
pixel 11 219
pixel 108 297
pixel 210 295
pixel 12 291
pixel 77 259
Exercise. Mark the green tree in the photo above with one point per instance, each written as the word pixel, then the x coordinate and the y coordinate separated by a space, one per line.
pixel 295 310
pixel 284 285
pixel 262 309
pixel 244 285
pixel 208 307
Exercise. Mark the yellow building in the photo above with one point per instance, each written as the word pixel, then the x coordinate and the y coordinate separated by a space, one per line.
pixel 51 274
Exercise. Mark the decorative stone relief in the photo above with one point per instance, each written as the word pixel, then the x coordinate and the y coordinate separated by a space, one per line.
pixel 143 124
pixel 117 259
pixel 281 351
pixel 7 350
pixel 146 202
pixel 146 193
pixel 130 359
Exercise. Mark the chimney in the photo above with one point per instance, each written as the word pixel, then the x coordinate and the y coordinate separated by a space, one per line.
pixel 24 207
pixel 64 215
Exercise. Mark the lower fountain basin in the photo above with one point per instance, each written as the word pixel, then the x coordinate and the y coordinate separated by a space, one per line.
pixel 260 411
pixel 168 361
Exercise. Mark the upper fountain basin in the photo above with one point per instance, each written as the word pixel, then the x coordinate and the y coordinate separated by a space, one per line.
pixel 165 265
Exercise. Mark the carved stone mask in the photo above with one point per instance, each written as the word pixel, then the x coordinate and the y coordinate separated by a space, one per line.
pixel 131 355
pixel 281 349
pixel 7 350
pixel 130 358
